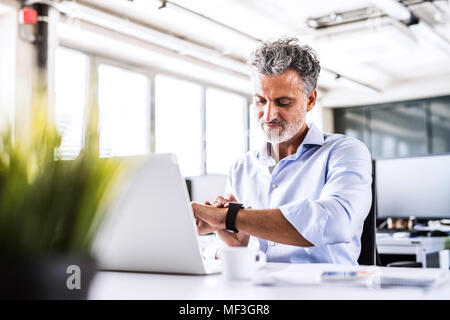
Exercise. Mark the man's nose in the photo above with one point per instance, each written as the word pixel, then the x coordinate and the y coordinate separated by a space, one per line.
pixel 270 112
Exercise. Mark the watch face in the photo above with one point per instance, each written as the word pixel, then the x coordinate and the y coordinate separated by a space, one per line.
pixel 231 230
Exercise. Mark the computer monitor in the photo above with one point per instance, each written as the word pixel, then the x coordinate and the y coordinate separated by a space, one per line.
pixel 416 186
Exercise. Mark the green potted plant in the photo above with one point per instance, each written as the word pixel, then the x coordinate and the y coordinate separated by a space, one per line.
pixel 50 210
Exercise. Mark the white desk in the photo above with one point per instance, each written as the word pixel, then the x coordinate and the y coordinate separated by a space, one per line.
pixel 122 285
pixel 419 246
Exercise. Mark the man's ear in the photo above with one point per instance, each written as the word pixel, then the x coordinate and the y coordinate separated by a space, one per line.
pixel 311 100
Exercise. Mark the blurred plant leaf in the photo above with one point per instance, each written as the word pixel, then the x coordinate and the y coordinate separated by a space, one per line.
pixel 48 205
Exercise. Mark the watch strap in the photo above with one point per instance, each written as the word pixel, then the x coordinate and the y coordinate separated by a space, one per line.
pixel 230 219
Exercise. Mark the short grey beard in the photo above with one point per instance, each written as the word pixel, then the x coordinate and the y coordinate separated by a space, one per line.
pixel 288 132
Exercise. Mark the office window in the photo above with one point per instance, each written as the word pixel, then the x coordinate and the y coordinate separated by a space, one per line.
pixel 353 122
pixel 124 112
pixel 399 130
pixel 178 122
pixel 225 130
pixel 70 100
pixel 440 125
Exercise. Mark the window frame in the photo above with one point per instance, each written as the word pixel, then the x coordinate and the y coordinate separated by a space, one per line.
pixel 95 60
pixel 86 97
pixel 99 60
pixel 245 120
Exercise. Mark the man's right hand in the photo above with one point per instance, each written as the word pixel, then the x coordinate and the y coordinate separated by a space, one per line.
pixel 239 239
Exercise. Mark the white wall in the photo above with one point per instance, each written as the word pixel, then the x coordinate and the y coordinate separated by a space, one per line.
pixel 315 115
pixel 18 68
pixel 406 90
pixel 7 64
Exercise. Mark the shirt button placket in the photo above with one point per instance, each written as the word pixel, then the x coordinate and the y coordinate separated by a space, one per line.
pixel 271 243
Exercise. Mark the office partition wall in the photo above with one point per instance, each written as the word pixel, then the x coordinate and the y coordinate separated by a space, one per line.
pixel 398 129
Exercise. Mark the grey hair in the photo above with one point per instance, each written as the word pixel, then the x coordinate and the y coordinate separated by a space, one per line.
pixel 273 58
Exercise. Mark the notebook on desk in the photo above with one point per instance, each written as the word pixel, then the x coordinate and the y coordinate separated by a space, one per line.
pixel 412 277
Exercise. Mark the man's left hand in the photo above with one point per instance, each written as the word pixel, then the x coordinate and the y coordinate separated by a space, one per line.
pixel 208 218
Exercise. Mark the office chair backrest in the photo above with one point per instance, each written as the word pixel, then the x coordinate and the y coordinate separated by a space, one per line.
pixel 368 238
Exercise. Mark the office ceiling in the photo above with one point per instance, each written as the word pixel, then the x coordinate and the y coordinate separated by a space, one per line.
pixel 380 52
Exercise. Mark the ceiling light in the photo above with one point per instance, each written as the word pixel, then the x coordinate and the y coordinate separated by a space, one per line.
pixel 428 34
pixel 393 8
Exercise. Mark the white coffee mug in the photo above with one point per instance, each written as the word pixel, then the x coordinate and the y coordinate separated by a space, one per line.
pixel 240 263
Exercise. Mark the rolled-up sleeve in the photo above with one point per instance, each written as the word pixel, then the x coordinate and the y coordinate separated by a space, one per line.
pixel 344 202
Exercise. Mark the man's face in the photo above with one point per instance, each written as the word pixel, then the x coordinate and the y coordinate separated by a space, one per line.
pixel 281 105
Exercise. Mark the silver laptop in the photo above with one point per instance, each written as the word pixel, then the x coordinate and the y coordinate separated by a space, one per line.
pixel 150 227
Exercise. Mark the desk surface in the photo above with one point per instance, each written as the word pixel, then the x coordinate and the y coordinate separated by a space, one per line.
pixel 386 239
pixel 419 246
pixel 127 285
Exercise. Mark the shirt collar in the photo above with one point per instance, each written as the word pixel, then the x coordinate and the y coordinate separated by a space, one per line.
pixel 313 137
pixel 265 155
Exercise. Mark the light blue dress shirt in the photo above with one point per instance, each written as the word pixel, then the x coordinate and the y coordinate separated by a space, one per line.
pixel 323 190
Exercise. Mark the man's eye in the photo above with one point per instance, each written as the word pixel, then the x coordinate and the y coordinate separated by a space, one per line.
pixel 283 103
pixel 260 102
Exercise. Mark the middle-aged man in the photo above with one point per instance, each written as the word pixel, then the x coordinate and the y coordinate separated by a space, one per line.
pixel 304 197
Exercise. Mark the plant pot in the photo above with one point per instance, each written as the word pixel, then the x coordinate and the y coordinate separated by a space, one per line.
pixel 61 277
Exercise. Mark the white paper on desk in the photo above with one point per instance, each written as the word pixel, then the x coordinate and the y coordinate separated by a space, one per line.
pixel 289 275
pixel 299 274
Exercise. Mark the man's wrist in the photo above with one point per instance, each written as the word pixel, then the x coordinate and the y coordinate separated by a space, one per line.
pixel 223 216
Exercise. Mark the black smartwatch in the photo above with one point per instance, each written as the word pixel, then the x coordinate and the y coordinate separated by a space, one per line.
pixel 230 220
